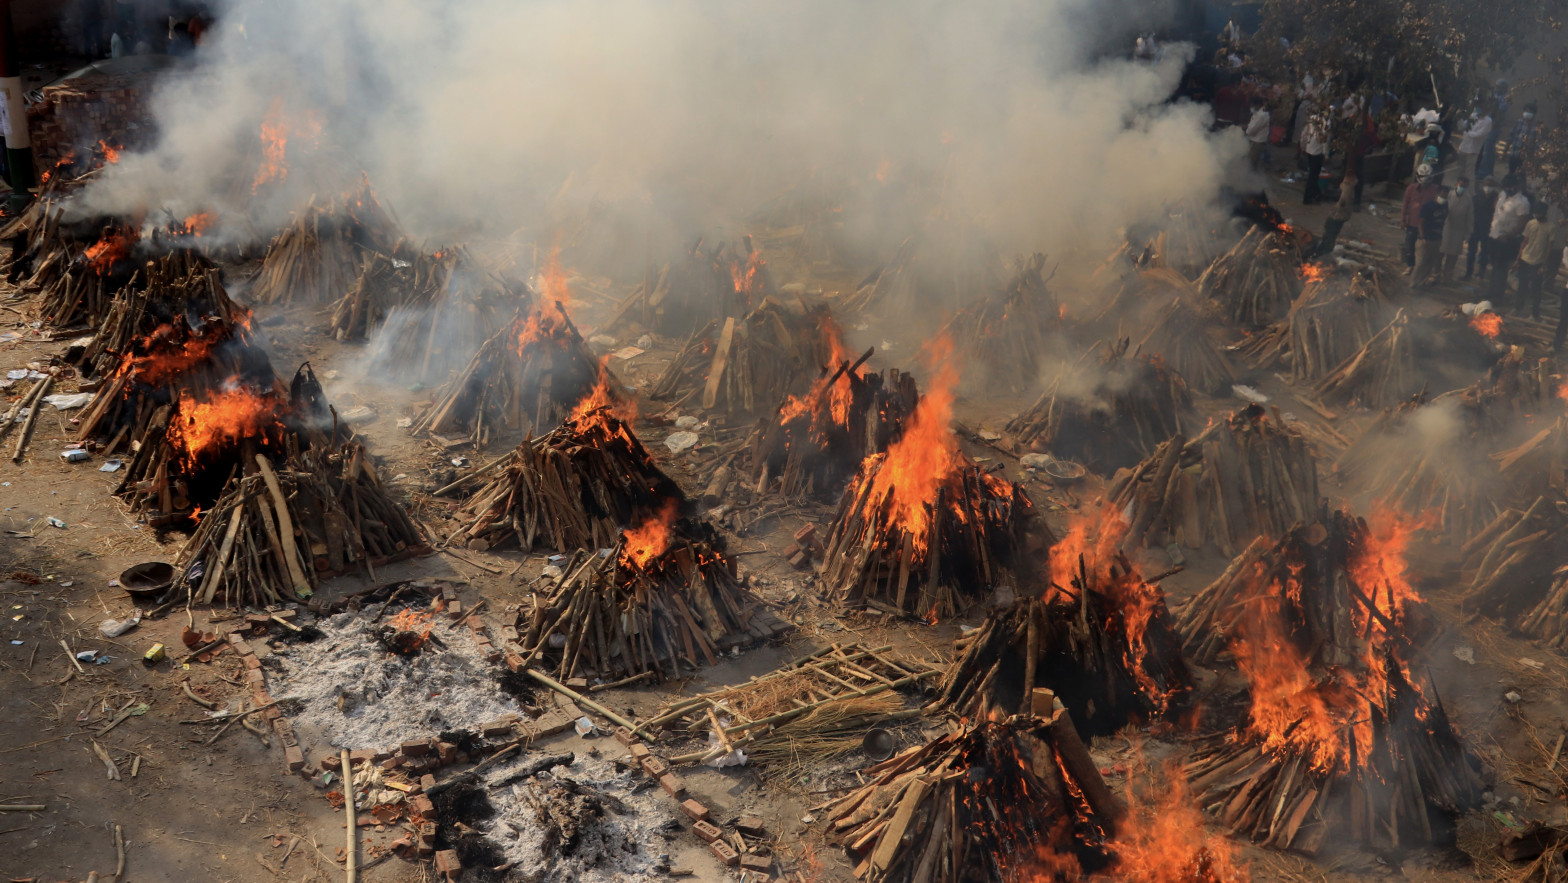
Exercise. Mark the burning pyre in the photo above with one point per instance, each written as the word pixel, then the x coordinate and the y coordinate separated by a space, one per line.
pixel 1100 637
pixel 745 365
pixel 317 258
pixel 1257 280
pixel 1010 332
pixel 663 597
pixel 1341 733
pixel 178 284
pixel 922 530
pixel 531 374
pixel 574 487
pixel 1137 403
pixel 403 279
pixel 1242 477
pixel 708 285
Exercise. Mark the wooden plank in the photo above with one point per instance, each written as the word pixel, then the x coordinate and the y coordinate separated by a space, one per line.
pixel 888 845
pixel 721 358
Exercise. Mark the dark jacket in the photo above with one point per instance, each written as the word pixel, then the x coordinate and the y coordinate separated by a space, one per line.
pixel 1485 205
pixel 1433 214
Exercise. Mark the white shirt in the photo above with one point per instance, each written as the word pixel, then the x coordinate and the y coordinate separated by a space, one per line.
pixel 1314 138
pixel 1510 216
pixel 1475 136
pixel 1258 127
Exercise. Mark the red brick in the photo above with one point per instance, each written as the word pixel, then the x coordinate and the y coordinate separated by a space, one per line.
pixel 754 862
pixel 654 766
pixel 509 633
pixel 708 831
pixel 474 623
pixel 454 609
pixel 724 853
pixel 426 832
pixel 240 646
pixel 362 756
pixel 393 762
pixel 421 805
pixel 672 784
pixel 624 736
pixel 294 758
pixel 251 662
pixel 447 864
pixel 285 731
pixel 256 679
pixel 501 726
pixel 694 810
pixel 416 748
pixel 514 662
pixel 488 651
pixel 447 752
pixel 641 751
pixel 331 762
pixel 426 782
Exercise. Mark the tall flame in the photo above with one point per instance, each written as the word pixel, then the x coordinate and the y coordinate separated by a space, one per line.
pixel 111 153
pixel 277 127
pixel 221 419
pixel 552 281
pixel 823 403
pixel 648 541
pixel 1163 839
pixel 113 246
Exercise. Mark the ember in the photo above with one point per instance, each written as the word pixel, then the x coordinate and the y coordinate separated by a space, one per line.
pixel 1488 324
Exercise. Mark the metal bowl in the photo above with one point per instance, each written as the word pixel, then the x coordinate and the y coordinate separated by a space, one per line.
pixel 878 744
pixel 147 579
pixel 1064 472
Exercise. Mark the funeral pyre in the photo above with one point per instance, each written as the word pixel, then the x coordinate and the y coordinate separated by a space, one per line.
pixel 1242 477
pixel 1342 735
pixel 1335 316
pixel 1099 637
pixel 1135 403
pixel 664 596
pixel 922 530
pixel 1257 280
pixel 317 258
pixel 744 365
pixel 1010 332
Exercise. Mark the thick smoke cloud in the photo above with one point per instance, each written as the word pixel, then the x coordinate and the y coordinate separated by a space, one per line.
pixel 501 120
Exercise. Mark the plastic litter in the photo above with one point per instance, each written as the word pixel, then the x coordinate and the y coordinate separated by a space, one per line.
pixel 680 442
pixel 69 401
pixel 113 628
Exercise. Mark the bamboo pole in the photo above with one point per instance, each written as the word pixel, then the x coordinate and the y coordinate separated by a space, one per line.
pixel 352 862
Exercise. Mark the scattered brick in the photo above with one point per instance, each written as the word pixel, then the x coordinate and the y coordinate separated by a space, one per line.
pixel 672 784
pixel 416 748
pixel 724 853
pixel 447 864
pixel 474 623
pixel 654 766
pixel 454 609
pixel 641 751
pixel 421 805
pixel 426 782
pixel 426 831
pixel 708 831
pixel 754 862
pixel 331 762
pixel 501 726
pixel 514 662
pixel 694 810
pixel 624 736
pixel 750 823
pixel 294 758
pixel 251 662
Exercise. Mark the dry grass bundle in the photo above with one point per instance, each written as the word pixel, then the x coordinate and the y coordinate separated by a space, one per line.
pixel 1137 402
pixel 1255 282
pixel 827 732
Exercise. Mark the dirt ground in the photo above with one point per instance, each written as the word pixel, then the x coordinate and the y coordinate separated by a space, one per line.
pixel 222 811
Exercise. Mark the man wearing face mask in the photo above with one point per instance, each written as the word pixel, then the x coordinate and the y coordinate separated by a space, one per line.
pixel 1507 234
pixel 1478 252
pixel 1476 133
pixel 1456 230
pixel 1521 141
pixel 1417 194
pixel 1434 216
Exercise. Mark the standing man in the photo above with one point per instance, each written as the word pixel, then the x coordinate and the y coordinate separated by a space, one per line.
pixel 1478 252
pixel 1521 142
pixel 1539 234
pixel 1341 213
pixel 1507 234
pixel 1562 314
pixel 1418 193
pixel 1457 229
pixel 1476 133
pixel 1257 132
pixel 1314 143
pixel 1434 216
pixel 1362 142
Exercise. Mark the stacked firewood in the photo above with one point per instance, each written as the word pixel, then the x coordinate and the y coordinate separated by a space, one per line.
pixel 1105 645
pixel 745 365
pixel 1178 334
pixel 710 284
pixel 41 249
pixel 1538 462
pixel 574 487
pixel 176 285
pixel 890 283
pixel 318 257
pixel 403 278
pixel 1135 403
pixel 1400 461
pixel 1513 561
pixel 1331 321
pixel 1255 282
pixel 1190 240
pixel 815 441
pixel 996 800
pixel 424 343
pixel 658 600
pixel 1244 476
pixel 529 375
pixel 276 532
pixel 1011 331
pixel 1382 373
pixel 1340 737
pixel 82 293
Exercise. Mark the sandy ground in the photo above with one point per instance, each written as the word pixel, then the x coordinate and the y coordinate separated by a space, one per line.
pixel 196 811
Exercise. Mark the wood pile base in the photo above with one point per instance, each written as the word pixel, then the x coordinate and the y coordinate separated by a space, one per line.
pixel 318 257
pixel 1012 332
pixel 743 366
pixel 171 288
pixel 1332 320
pixel 1513 563
pixel 1257 280
pixel 1178 334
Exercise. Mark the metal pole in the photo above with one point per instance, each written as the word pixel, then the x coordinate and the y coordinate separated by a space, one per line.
pixel 13 114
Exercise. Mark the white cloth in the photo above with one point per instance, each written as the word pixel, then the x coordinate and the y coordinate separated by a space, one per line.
pixel 1314 138
pixel 1475 136
pixel 1258 127
pixel 1510 216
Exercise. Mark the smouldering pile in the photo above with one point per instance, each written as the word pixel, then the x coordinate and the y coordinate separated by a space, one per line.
pixel 892 282
pixel 743 366
pixel 529 375
pixel 1515 568
pixel 658 600
pixel 574 488
pixel 404 278
pixel 995 801
pixel 318 257
pixel 1382 373
pixel 922 530
pixel 1178 334
pixel 1136 403
pixel 1341 737
pixel 1244 476
pixel 82 292
pixel 1099 637
pixel 1333 319
pixel 1010 331
pixel 707 286
pixel 275 533
pixel 1257 280
pixel 176 285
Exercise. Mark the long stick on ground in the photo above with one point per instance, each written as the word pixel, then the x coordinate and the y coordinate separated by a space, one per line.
pixel 119 848
pixel 352 862
pixel 32 417
pixel 584 701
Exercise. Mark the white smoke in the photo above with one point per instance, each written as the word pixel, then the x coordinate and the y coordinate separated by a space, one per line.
pixel 500 119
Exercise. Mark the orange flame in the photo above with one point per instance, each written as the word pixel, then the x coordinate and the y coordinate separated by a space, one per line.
pixel 417 622
pixel 1314 273
pixel 745 278
pixel 111 154
pixel 1164 840
pixel 196 224
pixel 276 130
pixel 228 416
pixel 113 246
pixel 604 399
pixel 1488 324
pixel 883 168
pixel 552 281
pixel 647 542
pixel 822 403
